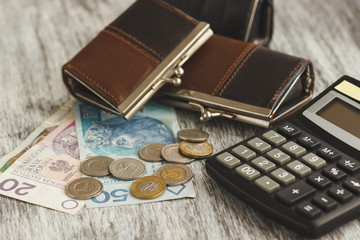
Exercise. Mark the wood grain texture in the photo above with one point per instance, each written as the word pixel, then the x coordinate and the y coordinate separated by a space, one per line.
pixel 38 36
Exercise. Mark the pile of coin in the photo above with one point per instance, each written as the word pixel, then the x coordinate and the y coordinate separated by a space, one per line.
pixel 193 146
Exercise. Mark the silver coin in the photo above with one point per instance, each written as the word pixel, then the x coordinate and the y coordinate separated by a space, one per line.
pixel 193 135
pixel 171 153
pixel 174 174
pixel 151 152
pixel 127 168
pixel 96 166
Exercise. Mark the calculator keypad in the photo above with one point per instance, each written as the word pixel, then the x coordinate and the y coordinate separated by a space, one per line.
pixel 295 168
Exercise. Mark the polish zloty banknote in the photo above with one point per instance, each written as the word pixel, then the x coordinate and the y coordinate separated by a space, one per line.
pixel 102 133
pixel 38 134
pixel 39 176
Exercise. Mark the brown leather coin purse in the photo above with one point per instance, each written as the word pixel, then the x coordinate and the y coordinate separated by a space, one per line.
pixel 134 56
pixel 242 81
pixel 153 43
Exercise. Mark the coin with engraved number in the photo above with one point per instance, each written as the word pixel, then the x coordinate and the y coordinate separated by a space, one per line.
pixel 127 168
pixel 172 154
pixel 196 150
pixel 174 174
pixel 193 135
pixel 84 188
pixel 148 187
pixel 96 166
pixel 151 152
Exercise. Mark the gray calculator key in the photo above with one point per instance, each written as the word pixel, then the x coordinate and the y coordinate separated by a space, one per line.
pixel 243 152
pixel 298 168
pixel 293 149
pixel 278 156
pixel 228 160
pixel 274 138
pixel 263 164
pixel 314 161
pixel 259 145
pixel 283 176
pixel 247 172
pixel 267 184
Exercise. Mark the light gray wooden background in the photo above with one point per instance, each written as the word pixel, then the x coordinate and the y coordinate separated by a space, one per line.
pixel 38 36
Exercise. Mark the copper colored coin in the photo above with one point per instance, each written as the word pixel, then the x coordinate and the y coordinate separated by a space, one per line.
pixel 196 150
pixel 96 166
pixel 148 187
pixel 151 152
pixel 174 174
pixel 193 135
pixel 172 154
pixel 84 188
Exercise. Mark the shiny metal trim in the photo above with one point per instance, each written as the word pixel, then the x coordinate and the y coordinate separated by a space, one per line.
pixel 251 20
pixel 165 70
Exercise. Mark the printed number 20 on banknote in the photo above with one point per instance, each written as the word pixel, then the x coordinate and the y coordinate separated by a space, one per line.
pixel 102 133
pixel 39 176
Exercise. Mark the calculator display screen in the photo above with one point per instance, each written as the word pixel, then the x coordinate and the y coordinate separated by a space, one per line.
pixel 342 115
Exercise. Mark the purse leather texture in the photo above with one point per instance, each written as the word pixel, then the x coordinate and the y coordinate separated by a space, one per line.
pixel 123 54
pixel 244 72
pixel 231 17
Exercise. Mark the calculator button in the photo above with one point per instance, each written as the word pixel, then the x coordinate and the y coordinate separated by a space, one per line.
pixel 325 202
pixel 328 153
pixel 263 164
pixel 274 138
pixel 294 193
pixel 314 161
pixel 334 173
pixel 308 141
pixel 298 168
pixel 283 176
pixel 289 130
pixel 243 153
pixel 340 194
pixel 259 145
pixel 349 165
pixel 228 160
pixel 353 185
pixel 247 172
pixel 267 184
pixel 319 181
pixel 308 210
pixel 278 156
pixel 293 149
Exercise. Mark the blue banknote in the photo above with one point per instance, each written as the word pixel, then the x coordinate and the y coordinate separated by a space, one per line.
pixel 101 133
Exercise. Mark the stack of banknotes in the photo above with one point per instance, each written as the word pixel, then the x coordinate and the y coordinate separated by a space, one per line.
pixel 38 170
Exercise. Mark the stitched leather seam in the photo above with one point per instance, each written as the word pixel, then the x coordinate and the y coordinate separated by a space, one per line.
pixel 141 51
pixel 176 11
pixel 95 84
pixel 238 68
pixel 137 41
pixel 231 68
pixel 284 83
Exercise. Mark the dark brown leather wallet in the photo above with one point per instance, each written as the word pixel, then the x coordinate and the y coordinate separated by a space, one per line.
pixel 242 81
pixel 134 56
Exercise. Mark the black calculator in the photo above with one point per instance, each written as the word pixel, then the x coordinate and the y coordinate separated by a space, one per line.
pixel 303 172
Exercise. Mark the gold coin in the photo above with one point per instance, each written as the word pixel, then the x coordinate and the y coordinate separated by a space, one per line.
pixel 84 188
pixel 174 174
pixel 148 187
pixel 96 166
pixel 196 150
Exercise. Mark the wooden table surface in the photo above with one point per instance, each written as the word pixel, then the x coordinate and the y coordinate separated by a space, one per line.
pixel 38 36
